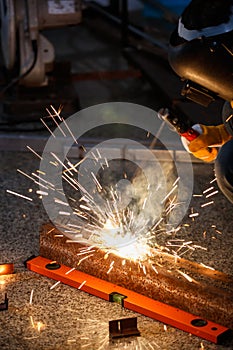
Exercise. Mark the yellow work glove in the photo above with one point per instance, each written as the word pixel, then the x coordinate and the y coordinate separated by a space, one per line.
pixel 204 146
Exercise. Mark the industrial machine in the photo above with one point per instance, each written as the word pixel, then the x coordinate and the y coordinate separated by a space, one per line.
pixel 28 57
pixel 22 43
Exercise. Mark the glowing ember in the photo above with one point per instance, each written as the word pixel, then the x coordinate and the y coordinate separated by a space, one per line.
pixel 2 282
pixel 6 269
pixel 37 325
pixel 125 244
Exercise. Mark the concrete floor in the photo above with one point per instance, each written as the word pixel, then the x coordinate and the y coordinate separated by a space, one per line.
pixel 72 319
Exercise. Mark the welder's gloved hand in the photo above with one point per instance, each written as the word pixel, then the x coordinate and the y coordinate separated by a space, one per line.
pixel 205 145
pixel 206 154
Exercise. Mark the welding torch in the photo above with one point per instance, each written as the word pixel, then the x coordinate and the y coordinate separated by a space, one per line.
pixel 180 124
pixel 188 133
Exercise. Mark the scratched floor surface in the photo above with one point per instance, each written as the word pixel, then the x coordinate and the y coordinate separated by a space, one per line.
pixel 66 318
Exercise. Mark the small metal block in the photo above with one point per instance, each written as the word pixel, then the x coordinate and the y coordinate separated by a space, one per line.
pixel 4 305
pixel 126 327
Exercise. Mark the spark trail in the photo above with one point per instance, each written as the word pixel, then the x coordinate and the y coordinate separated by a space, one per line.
pixel 127 231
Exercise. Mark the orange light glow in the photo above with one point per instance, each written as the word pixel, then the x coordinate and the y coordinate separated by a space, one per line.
pixel 6 269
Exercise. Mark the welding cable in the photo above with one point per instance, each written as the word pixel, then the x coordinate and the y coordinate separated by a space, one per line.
pixel 16 80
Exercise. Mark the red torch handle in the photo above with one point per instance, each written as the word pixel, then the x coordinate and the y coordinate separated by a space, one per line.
pixel 190 134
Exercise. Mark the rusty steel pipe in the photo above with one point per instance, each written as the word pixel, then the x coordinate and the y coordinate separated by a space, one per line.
pixel 202 297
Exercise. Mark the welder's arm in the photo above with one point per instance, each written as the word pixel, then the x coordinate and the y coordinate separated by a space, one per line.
pixel 205 146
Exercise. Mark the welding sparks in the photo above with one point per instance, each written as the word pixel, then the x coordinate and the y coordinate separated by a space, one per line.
pixel 208 189
pixel 51 230
pixel 114 230
pixel 124 244
pixel 207 267
pixel 85 257
pixel 193 215
pixel 188 278
pixel 92 338
pixel 66 213
pixel 130 232
pixel 42 193
pixel 31 296
pixel 202 346
pixel 169 193
pixel 109 270
pixel 39 326
pixel 19 195
pixel 55 285
pixel 32 150
pixel 211 194
pixel 67 272
pixel 82 284
pixel 206 204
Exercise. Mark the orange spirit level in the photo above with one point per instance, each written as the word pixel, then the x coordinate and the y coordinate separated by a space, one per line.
pixel 131 300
